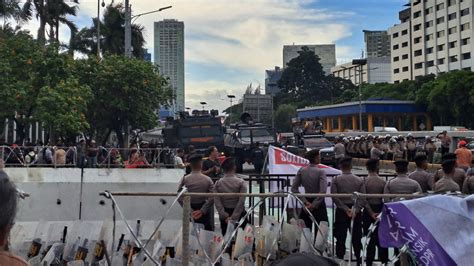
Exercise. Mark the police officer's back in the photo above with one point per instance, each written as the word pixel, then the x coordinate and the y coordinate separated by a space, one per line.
pixel 420 175
pixel 458 175
pixel 446 183
pixel 401 184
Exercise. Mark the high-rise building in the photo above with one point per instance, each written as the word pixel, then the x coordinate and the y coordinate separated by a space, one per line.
pixel 259 106
pixel 146 55
pixel 434 36
pixel 377 43
pixel 272 76
pixel 325 52
pixel 377 70
pixel 169 56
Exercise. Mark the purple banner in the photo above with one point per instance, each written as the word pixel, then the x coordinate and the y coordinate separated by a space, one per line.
pixel 398 226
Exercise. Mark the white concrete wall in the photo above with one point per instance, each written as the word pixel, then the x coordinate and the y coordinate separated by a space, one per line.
pixel 55 193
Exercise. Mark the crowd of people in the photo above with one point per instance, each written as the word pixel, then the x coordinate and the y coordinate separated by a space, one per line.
pixel 395 147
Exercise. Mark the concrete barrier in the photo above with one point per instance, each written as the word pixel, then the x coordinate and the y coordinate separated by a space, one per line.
pixel 388 165
pixel 55 193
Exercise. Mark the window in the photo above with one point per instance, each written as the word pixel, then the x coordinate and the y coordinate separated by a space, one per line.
pixel 396 71
pixel 453 59
pixel 440 61
pixel 452 16
pixel 405 69
pixel 417 14
pixel 429 50
pixel 429 10
pixel 464 12
pixel 429 37
pixel 452 44
pixel 465 26
pixel 404 44
pixel 418 65
pixel 417 40
pixel 467 68
pixel 430 63
pixel 405 56
pixel 439 6
pixel 465 41
pixel 404 32
pixel 466 56
pixel 396 81
pixel 418 52
pixel 395 47
pixel 396 58
pixel 440 47
pixel 417 27
pixel 440 34
pixel 451 2
pixel 440 20
pixel 429 24
pixel 395 35
pixel 452 30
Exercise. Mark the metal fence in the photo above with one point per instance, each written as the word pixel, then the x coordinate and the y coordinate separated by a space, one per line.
pixel 104 157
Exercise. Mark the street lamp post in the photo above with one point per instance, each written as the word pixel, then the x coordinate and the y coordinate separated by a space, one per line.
pixel 203 104
pixel 98 26
pixel 231 98
pixel 360 63
pixel 128 25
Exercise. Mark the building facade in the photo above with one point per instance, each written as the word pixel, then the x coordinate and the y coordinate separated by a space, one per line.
pixel 169 56
pixel 259 106
pixel 325 52
pixel 433 37
pixel 146 55
pixel 377 70
pixel 272 76
pixel 377 43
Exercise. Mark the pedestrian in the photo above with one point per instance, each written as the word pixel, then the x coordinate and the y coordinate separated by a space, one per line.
pixel 463 156
pixel 420 175
pixel 258 158
pixel 8 205
pixel 230 209
pixel 468 186
pixel 196 182
pixel 376 152
pixel 59 155
pixel 339 150
pixel 178 159
pixel 92 153
pixel 445 142
pixel 374 184
pixel 347 183
pixel 313 180
pixel 212 166
pixel 446 183
pixel 401 184
pixel 459 174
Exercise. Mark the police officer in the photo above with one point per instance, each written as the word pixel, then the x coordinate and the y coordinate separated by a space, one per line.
pixel 374 184
pixel 401 184
pixel 459 174
pixel 230 209
pixel 347 183
pixel 468 186
pixel 420 175
pixel 446 183
pixel 339 150
pixel 199 183
pixel 212 166
pixel 411 147
pixel 313 179
pixel 376 152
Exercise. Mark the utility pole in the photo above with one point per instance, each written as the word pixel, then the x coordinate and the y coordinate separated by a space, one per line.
pixel 360 63
pixel 128 30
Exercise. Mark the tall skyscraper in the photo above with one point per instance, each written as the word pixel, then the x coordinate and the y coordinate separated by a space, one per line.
pixel 433 37
pixel 169 56
pixel 325 52
pixel 377 43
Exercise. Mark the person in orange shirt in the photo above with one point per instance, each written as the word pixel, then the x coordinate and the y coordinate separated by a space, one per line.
pixel 463 155
pixel 8 205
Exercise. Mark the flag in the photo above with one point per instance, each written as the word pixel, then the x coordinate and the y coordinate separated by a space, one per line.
pixel 439 230
pixel 281 162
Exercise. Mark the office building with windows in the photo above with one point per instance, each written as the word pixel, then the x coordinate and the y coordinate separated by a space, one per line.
pixel 377 43
pixel 433 36
pixel 169 56
pixel 377 70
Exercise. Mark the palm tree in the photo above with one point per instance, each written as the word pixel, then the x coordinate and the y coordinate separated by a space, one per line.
pixel 10 9
pixel 112 35
pixel 52 13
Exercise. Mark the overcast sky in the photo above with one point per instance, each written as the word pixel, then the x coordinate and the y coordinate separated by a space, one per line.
pixel 230 43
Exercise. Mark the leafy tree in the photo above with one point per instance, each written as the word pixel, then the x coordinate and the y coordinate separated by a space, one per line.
pixel 304 82
pixel 283 116
pixel 235 111
pixel 126 94
pixel 112 35
pixel 11 9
